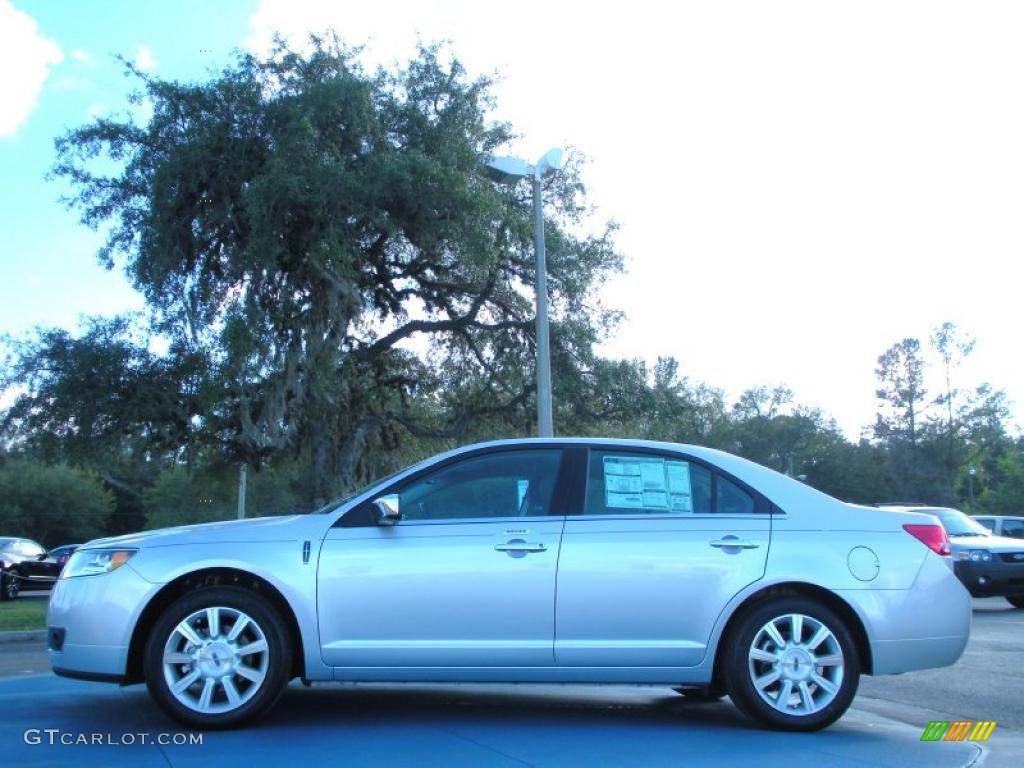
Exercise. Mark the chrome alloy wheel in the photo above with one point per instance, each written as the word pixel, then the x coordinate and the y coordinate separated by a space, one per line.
pixel 215 660
pixel 796 664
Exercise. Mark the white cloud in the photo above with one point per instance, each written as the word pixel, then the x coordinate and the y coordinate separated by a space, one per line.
pixel 144 59
pixel 95 110
pixel 25 61
pixel 71 84
pixel 83 57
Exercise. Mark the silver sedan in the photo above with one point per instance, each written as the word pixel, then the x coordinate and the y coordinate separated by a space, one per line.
pixel 566 561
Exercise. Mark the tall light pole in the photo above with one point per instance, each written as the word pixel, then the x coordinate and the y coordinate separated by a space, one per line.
pixel 241 489
pixel 509 170
pixel 970 486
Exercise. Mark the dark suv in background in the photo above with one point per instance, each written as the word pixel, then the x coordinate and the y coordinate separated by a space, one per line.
pixel 26 565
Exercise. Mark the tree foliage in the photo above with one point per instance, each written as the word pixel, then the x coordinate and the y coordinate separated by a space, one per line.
pixel 53 504
pixel 901 390
pixel 303 219
pixel 178 497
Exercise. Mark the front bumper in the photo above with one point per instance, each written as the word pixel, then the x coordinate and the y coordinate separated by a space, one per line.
pixel 33 581
pixel 90 621
pixel 995 578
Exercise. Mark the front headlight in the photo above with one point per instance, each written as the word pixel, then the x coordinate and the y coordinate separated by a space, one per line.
pixel 976 555
pixel 91 562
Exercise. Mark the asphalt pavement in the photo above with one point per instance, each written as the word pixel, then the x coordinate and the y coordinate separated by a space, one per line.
pixel 491 725
pixel 542 726
pixel 987 683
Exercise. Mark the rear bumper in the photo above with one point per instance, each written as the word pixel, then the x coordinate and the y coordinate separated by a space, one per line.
pixel 892 657
pixel 922 627
pixel 992 579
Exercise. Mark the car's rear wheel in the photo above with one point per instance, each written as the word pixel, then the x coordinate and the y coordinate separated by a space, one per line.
pixel 792 664
pixel 218 657
pixel 1016 602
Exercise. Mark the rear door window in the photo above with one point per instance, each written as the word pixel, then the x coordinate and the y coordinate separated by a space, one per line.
pixel 624 482
pixel 1013 528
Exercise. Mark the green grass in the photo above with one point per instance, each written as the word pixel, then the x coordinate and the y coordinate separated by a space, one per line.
pixel 23 613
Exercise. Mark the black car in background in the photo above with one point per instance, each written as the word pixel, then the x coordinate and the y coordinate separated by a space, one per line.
pixel 26 565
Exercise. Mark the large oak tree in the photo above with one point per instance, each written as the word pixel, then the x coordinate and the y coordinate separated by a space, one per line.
pixel 325 237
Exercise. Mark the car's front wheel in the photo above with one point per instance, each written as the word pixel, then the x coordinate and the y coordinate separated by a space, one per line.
pixel 791 663
pixel 11 586
pixel 218 657
pixel 1016 602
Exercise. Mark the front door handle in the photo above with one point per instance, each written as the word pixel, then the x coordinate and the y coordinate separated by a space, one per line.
pixel 733 542
pixel 516 546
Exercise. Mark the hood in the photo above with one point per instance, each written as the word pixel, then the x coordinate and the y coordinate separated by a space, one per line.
pixel 991 543
pixel 289 528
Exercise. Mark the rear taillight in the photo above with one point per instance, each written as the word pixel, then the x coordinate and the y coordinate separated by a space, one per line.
pixel 932 536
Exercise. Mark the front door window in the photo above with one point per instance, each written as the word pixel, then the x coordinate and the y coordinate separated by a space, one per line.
pixel 507 484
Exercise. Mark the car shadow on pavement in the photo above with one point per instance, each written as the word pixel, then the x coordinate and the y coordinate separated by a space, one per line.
pixel 463 725
pixel 526 705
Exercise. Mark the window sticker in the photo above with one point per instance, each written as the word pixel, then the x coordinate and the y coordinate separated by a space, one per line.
pixel 680 494
pixel 648 483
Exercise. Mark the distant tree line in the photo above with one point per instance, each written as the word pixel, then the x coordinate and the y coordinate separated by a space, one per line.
pixel 334 290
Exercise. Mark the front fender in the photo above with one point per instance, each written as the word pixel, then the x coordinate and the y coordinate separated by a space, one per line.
pixel 279 563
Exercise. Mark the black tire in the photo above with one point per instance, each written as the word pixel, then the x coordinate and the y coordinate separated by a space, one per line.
pixel 740 670
pixel 10 586
pixel 697 693
pixel 1017 601
pixel 264 625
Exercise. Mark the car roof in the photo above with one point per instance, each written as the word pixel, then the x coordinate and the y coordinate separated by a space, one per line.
pixel 917 508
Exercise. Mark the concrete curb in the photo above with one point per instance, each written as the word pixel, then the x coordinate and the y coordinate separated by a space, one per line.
pixel 23 636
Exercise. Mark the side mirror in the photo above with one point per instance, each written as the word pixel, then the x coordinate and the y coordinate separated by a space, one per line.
pixel 387 509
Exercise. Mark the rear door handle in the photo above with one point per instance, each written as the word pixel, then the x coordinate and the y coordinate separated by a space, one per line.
pixel 732 542
pixel 518 545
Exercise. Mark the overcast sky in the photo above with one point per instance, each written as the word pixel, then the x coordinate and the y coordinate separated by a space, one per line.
pixel 798 184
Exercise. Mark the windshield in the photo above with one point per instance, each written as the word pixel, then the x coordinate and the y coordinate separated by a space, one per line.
pixel 22 548
pixel 957 523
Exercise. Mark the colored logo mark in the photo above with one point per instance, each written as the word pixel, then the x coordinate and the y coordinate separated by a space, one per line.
pixel 958 730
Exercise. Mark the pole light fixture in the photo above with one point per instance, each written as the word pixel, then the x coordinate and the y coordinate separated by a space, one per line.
pixel 509 170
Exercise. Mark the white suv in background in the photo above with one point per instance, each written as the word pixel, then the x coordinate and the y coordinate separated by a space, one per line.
pixel 1003 525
